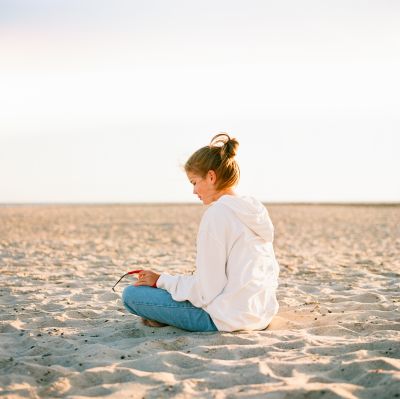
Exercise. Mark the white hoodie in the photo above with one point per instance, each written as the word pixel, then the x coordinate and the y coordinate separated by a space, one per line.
pixel 236 273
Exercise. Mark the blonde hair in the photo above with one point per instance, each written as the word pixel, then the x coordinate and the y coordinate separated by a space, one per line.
pixel 218 156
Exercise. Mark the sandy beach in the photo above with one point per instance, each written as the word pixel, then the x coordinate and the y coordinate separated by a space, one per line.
pixel 65 334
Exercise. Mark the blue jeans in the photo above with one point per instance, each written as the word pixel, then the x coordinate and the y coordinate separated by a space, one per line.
pixel 157 304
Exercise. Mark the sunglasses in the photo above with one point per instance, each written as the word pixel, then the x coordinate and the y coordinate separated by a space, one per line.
pixel 127 274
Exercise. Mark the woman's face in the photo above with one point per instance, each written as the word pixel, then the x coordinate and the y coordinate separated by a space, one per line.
pixel 204 187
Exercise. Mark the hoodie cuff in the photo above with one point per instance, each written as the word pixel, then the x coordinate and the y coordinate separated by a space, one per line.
pixel 165 281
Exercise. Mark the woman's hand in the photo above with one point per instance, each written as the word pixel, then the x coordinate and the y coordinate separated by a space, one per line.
pixel 147 277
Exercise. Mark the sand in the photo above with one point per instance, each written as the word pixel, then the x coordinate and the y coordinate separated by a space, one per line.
pixel 65 334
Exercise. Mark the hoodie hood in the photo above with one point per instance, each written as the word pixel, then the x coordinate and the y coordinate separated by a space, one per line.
pixel 251 213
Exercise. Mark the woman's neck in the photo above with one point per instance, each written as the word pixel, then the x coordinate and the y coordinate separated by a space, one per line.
pixel 219 194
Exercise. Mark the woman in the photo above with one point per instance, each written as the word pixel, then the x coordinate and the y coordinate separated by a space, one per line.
pixel 236 277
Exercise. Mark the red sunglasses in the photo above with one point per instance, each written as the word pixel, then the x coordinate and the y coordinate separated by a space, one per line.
pixel 131 272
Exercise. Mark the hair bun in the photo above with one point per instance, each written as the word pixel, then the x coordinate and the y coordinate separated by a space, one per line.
pixel 228 146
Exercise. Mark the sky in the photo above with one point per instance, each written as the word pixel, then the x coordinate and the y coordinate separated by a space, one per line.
pixel 103 101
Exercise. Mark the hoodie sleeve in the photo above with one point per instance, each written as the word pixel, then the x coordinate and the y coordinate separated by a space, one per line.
pixel 209 279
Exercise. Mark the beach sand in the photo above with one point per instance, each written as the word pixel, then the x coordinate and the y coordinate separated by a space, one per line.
pixel 65 334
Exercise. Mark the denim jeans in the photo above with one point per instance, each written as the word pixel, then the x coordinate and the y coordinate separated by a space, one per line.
pixel 157 304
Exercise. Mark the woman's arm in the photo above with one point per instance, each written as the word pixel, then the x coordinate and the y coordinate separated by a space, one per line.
pixel 209 279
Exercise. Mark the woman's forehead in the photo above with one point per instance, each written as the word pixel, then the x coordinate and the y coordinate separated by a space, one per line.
pixel 192 175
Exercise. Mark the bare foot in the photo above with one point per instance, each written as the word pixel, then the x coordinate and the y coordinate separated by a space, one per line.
pixel 153 323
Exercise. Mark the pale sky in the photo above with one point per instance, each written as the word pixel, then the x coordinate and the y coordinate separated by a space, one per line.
pixel 103 101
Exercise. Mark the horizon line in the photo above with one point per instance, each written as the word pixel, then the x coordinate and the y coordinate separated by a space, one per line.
pixel 174 203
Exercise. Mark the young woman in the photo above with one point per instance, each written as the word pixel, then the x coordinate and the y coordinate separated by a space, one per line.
pixel 236 277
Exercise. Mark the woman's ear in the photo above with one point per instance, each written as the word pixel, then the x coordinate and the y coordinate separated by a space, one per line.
pixel 212 176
